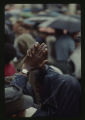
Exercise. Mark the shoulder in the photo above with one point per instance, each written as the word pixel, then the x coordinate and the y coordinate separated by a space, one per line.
pixel 70 81
pixel 58 79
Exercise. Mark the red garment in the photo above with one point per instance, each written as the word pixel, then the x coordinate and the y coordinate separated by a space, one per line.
pixel 9 70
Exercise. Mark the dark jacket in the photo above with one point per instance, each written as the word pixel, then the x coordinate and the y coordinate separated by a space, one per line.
pixel 59 94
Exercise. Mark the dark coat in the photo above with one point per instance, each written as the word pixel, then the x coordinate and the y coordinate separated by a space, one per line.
pixel 59 94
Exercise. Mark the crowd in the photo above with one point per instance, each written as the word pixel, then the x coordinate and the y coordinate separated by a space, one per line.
pixel 42 63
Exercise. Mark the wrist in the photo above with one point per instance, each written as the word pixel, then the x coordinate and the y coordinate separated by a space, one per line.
pixel 25 72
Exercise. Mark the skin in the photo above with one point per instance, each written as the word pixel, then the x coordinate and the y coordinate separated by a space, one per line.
pixel 65 31
pixel 36 56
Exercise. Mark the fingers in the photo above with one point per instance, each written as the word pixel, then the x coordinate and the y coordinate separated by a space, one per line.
pixel 41 46
pixel 29 52
pixel 38 54
pixel 44 62
pixel 44 53
pixel 36 45
pixel 42 49
pixel 32 50
pixel 42 65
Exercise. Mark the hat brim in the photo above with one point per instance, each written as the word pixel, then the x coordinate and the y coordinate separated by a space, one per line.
pixel 23 103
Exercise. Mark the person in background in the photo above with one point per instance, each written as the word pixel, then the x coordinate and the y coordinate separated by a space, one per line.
pixel 64 47
pixel 18 30
pixel 28 29
pixel 23 43
pixel 77 38
pixel 10 53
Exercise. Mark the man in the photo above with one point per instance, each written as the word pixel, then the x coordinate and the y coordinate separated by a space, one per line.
pixel 59 94
pixel 17 28
pixel 64 47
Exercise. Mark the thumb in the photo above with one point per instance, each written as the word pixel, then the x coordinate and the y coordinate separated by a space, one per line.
pixel 43 63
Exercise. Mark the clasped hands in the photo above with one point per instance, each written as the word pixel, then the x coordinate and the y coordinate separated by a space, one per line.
pixel 36 56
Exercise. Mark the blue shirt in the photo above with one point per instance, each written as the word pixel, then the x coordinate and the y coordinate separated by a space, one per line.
pixel 64 46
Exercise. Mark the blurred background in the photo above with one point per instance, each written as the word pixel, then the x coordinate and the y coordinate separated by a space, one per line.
pixel 57 25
